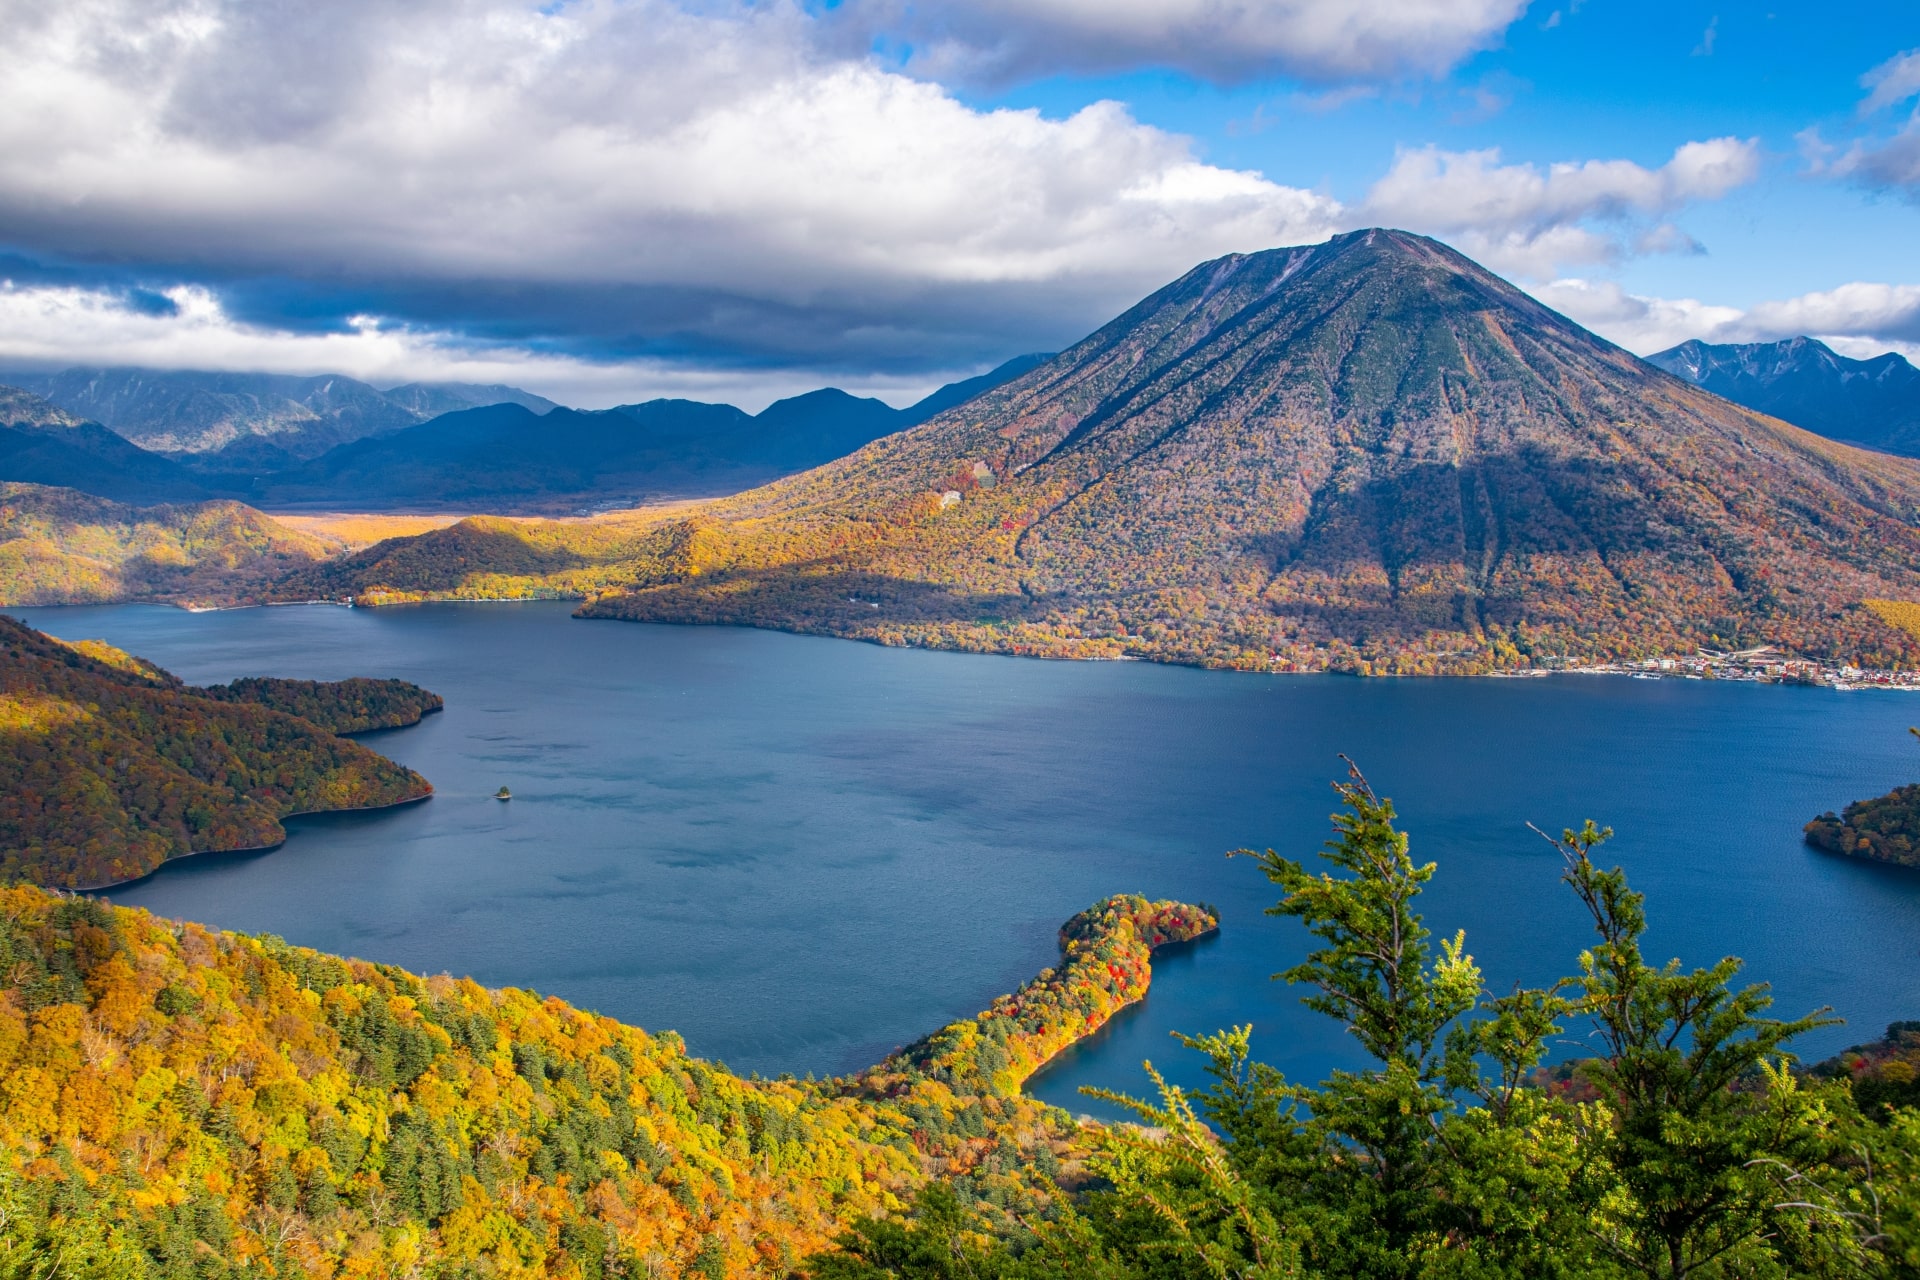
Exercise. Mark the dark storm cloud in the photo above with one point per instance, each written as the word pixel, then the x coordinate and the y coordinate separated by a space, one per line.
pixel 1224 41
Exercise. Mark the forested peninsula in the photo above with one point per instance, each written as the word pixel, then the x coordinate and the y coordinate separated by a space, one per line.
pixel 358 704
pixel 176 1101
pixel 109 765
pixel 1883 829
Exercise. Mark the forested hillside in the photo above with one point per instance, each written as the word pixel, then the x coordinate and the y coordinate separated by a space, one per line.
pixel 354 705
pixel 180 1102
pixel 109 767
pixel 59 546
pixel 1370 455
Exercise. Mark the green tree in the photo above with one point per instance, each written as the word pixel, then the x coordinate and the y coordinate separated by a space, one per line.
pixel 1377 976
pixel 1708 1130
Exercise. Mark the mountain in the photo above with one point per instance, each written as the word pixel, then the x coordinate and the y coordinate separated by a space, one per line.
pixel 504 456
pixel 958 393
pixel 256 420
pixel 333 442
pixel 58 546
pixel 87 456
pixel 431 399
pixel 1370 455
pixel 1875 403
pixel 110 766
pixel 41 443
pixel 20 408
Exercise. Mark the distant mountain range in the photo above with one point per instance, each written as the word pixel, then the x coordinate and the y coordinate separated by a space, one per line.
pixel 503 456
pixel 512 455
pixel 1371 455
pixel 1875 403
pixel 253 420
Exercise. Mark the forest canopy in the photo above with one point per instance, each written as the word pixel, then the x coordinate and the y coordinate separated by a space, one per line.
pixel 179 1102
pixel 1690 1145
pixel 109 766
pixel 354 705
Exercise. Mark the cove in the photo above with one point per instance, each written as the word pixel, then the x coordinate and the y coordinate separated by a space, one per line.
pixel 801 853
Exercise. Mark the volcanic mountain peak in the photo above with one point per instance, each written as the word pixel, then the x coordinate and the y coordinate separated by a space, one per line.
pixel 1370 452
pixel 1381 332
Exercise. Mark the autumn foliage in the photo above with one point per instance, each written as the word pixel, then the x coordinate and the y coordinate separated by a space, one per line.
pixel 1104 954
pixel 61 546
pixel 184 1102
pixel 109 766
pixel 354 705
pixel 1883 829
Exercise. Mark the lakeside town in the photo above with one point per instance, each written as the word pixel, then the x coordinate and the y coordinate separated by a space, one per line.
pixel 1762 665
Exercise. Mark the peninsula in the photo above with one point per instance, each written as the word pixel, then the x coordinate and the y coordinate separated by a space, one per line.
pixel 110 766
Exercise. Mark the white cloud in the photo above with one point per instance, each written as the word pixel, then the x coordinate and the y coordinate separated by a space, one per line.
pixel 600 145
pixel 1856 319
pixel 1886 162
pixel 1221 40
pixel 716 181
pixel 1893 164
pixel 1893 81
pixel 52 327
pixel 1531 221
pixel 1642 325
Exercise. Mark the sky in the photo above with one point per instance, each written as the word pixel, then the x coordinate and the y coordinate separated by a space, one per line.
pixel 609 200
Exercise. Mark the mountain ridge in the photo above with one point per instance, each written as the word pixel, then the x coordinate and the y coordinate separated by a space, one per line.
pixel 1872 403
pixel 254 415
pixel 505 453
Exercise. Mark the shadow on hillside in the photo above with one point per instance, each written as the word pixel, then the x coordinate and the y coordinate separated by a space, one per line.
pixel 444 559
pixel 1527 501
pixel 813 597
pixel 1446 547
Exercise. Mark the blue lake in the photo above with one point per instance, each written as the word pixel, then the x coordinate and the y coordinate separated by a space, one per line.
pixel 801 853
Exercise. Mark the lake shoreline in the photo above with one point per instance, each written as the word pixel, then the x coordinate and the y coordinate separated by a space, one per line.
pixel 254 848
pixel 1841 678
